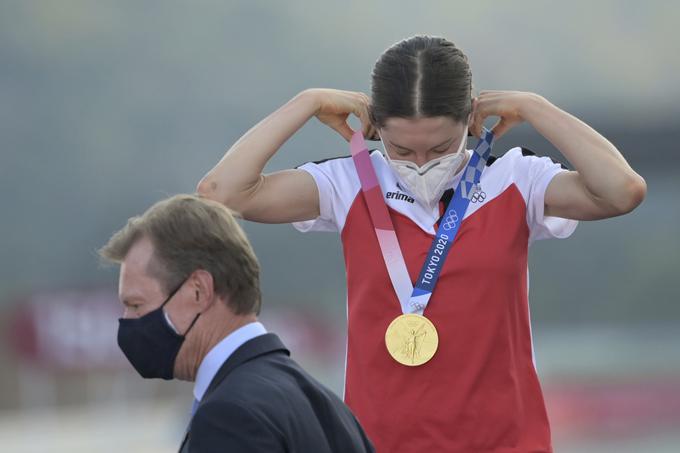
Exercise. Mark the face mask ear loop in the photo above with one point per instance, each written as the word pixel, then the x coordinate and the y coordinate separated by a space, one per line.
pixel 463 143
pixel 191 325
pixel 383 145
pixel 172 293
pixel 168 300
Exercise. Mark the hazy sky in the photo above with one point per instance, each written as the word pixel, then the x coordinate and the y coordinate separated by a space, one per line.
pixel 607 52
pixel 108 106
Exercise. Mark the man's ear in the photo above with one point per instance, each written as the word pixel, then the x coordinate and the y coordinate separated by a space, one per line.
pixel 203 288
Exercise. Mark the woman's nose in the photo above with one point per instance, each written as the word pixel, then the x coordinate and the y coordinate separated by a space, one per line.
pixel 420 159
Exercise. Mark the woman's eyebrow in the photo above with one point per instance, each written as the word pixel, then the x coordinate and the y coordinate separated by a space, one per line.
pixel 436 146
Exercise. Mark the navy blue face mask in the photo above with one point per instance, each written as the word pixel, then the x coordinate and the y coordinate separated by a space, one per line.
pixel 150 343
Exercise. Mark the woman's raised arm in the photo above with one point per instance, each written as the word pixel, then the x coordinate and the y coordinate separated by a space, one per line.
pixel 289 195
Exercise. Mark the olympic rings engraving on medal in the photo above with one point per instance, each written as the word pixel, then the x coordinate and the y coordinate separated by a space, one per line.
pixel 478 196
pixel 450 221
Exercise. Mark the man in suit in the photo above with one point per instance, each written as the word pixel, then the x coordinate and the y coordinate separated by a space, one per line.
pixel 189 281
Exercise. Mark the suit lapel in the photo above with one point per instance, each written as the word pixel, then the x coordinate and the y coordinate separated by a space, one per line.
pixel 263 344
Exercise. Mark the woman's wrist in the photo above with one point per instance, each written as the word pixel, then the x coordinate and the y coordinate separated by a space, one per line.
pixel 533 106
pixel 310 99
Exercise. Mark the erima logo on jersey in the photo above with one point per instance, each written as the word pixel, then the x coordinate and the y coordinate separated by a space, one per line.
pixel 399 196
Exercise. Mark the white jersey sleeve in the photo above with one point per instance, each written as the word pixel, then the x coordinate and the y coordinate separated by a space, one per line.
pixel 532 176
pixel 338 185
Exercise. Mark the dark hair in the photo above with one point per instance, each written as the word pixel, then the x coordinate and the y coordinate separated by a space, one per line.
pixel 422 76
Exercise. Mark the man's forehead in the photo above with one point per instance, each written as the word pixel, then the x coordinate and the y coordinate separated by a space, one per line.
pixel 134 269
pixel 137 259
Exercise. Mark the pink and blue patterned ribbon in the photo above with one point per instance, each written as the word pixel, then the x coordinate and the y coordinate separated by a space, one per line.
pixel 415 299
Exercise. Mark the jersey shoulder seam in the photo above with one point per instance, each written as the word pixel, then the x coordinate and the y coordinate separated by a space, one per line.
pixel 318 162
pixel 526 152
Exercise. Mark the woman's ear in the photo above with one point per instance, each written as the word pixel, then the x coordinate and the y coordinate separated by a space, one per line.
pixel 371 116
pixel 374 136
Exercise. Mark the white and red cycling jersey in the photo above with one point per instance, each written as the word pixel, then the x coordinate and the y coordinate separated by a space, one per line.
pixel 480 391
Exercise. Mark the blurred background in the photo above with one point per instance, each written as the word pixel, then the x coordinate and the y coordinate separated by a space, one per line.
pixel 109 106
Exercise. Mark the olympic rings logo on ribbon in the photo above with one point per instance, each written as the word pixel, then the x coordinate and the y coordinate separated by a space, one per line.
pixel 450 220
pixel 478 196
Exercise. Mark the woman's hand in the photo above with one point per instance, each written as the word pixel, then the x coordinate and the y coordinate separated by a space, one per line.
pixel 507 105
pixel 335 106
pixel 603 184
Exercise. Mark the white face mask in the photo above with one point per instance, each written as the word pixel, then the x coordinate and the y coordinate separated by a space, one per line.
pixel 427 183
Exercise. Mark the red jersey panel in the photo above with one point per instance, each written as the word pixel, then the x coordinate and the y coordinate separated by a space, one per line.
pixel 480 392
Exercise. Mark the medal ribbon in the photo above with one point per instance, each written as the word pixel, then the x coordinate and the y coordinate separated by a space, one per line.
pixel 415 299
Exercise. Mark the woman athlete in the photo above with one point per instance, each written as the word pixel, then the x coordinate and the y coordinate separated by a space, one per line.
pixel 479 391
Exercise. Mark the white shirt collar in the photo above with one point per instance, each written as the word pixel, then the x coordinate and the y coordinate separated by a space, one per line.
pixel 219 354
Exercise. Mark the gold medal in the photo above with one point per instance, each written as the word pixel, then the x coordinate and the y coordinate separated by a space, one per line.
pixel 411 339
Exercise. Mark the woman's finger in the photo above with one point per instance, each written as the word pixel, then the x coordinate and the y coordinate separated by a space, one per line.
pixel 344 130
pixel 362 113
pixel 500 128
pixel 477 118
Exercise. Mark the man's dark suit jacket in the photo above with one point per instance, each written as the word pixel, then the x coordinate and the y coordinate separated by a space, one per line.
pixel 262 401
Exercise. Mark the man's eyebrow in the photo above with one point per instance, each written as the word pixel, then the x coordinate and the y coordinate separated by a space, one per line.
pixel 436 146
